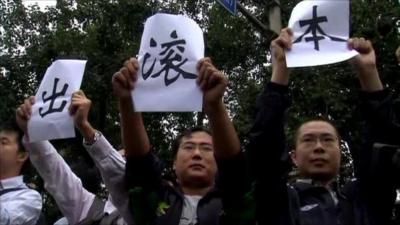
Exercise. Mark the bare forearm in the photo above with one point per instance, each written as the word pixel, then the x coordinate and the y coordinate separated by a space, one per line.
pixel 87 131
pixel 134 136
pixel 365 64
pixel 225 140
pixel 369 79
pixel 280 74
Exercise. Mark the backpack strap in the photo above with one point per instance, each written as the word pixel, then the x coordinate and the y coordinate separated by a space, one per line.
pixel 95 214
pixel 110 219
pixel 5 191
pixel 41 220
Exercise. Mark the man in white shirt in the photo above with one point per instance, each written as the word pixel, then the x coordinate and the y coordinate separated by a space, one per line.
pixel 18 203
pixel 78 205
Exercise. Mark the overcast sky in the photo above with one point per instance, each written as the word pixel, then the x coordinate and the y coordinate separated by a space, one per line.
pixel 42 3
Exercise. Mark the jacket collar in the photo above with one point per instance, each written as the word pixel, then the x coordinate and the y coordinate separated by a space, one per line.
pixel 177 189
pixel 308 184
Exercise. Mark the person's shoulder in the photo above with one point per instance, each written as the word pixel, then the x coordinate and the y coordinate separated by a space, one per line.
pixel 351 188
pixel 352 183
pixel 301 185
pixel 28 200
pixel 30 193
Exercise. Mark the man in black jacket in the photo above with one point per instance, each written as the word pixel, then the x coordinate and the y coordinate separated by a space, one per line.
pixel 314 199
pixel 199 197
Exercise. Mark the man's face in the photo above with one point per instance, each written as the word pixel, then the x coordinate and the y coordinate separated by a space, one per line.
pixel 195 163
pixel 10 157
pixel 317 154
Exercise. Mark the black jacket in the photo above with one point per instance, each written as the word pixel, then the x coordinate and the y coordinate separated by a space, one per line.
pixel 365 201
pixel 149 192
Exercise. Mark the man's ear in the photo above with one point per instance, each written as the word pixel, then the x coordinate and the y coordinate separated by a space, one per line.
pixel 22 156
pixel 293 156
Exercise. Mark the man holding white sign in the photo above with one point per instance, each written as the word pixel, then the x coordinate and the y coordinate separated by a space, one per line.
pixel 172 75
pixel 315 199
pixel 78 204
pixel 197 197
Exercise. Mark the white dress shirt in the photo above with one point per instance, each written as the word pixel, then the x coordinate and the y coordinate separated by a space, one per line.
pixel 20 207
pixel 189 210
pixel 112 169
pixel 73 200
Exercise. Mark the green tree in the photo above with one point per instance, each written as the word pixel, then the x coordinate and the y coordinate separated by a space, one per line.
pixel 108 32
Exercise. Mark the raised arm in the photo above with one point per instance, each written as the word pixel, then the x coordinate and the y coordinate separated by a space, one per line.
pixel 66 188
pixel 232 181
pixel 267 148
pixel 134 136
pixel 382 126
pixel 267 140
pixel 280 73
pixel 143 169
pixel 107 159
pixel 213 83
pixel 365 65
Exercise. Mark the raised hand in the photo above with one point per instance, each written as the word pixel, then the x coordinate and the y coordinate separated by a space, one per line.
pixel 280 73
pixel 124 80
pixel 212 81
pixel 24 112
pixel 365 64
pixel 79 109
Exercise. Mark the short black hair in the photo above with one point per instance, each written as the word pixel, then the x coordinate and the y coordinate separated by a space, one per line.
pixel 313 119
pixel 186 133
pixel 11 126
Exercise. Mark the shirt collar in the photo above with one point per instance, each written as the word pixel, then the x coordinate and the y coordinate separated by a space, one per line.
pixel 307 181
pixel 317 184
pixel 12 182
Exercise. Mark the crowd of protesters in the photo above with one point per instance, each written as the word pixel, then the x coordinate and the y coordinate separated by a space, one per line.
pixel 214 171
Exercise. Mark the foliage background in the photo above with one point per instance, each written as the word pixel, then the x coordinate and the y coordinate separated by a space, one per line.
pixel 106 32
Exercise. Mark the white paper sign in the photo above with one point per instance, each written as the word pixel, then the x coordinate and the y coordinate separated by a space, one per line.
pixel 321 30
pixel 170 48
pixel 50 116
